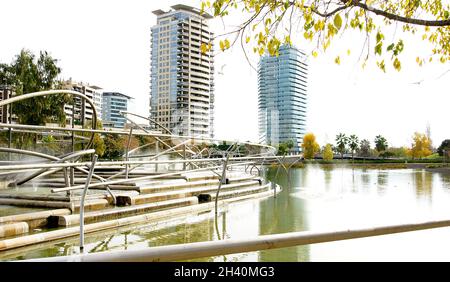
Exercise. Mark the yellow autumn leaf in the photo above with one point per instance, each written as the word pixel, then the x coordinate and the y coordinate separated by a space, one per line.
pixel 337 60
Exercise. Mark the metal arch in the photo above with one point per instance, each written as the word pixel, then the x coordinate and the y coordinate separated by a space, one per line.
pixel 46 171
pixel 54 92
pixel 124 113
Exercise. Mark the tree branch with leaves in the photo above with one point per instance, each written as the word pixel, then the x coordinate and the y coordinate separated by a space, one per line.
pixel 270 23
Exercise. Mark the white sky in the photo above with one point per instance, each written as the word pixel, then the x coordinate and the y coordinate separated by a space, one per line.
pixel 107 43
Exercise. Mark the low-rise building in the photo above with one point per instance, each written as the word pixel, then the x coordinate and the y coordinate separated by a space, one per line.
pixel 113 104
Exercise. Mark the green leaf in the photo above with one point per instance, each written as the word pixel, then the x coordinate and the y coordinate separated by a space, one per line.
pixel 390 47
pixel 337 21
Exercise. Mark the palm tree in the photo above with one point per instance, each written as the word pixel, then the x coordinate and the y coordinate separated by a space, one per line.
pixel 380 143
pixel 341 142
pixel 353 142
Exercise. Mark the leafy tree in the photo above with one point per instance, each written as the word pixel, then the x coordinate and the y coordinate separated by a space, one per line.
pixel 114 144
pixel 290 144
pixel 353 143
pixel 445 145
pixel 99 144
pixel 380 143
pixel 401 152
pixel 282 149
pixel 268 24
pixel 328 153
pixel 341 143
pixel 421 146
pixel 30 74
pixel 310 146
pixel 387 154
pixel 364 148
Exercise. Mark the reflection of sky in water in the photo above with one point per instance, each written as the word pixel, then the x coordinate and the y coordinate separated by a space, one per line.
pixel 320 198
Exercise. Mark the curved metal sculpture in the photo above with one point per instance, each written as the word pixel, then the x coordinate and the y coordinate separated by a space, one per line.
pixel 58 92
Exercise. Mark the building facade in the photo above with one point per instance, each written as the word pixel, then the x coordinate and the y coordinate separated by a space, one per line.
pixel 182 77
pixel 113 104
pixel 80 110
pixel 282 99
pixel 6 92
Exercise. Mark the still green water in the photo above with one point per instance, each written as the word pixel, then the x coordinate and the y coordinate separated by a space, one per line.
pixel 319 198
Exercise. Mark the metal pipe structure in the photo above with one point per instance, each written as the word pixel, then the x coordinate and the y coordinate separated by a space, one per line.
pixel 126 132
pixel 140 178
pixel 126 151
pixel 83 196
pixel 43 171
pixel 109 163
pixel 124 114
pixel 56 92
pixel 231 246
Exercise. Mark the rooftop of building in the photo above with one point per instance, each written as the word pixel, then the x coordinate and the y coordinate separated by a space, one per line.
pixel 181 7
pixel 116 94
pixel 81 83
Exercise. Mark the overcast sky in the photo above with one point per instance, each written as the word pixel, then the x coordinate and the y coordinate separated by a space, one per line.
pixel 107 43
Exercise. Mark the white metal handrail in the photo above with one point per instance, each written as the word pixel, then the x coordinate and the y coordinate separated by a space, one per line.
pixel 230 246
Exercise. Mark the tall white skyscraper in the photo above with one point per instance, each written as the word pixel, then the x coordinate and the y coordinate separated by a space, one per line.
pixel 182 77
pixel 282 99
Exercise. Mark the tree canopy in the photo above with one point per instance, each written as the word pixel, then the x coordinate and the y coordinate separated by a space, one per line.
pixel 310 146
pixel 27 74
pixel 270 23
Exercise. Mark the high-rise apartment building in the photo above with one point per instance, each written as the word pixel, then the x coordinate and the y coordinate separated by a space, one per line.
pixel 182 77
pixel 282 99
pixel 82 110
pixel 113 104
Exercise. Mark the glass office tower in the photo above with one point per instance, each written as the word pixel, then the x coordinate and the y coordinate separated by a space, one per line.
pixel 113 104
pixel 282 99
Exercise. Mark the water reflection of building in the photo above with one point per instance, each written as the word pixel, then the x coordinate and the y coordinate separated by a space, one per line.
pixel 382 181
pixel 423 183
pixel 284 214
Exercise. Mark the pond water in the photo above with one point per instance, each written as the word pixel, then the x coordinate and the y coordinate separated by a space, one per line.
pixel 319 197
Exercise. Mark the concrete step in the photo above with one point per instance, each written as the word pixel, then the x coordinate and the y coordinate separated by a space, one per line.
pixel 96 216
pixel 180 193
pixel 64 233
pixel 151 184
pixel 244 178
pixel 90 204
pixel 34 219
pixel 12 229
pixel 144 189
pixel 174 186
pixel 234 194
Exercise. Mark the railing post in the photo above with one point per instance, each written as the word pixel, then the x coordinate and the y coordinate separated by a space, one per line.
pixel 126 153
pixel 157 152
pixel 83 196
pixel 10 129
pixel 184 157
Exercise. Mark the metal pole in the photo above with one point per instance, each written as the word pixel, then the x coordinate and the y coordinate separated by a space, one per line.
pixel 157 152
pixel 184 157
pixel 127 150
pixel 83 196
pixel 10 129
